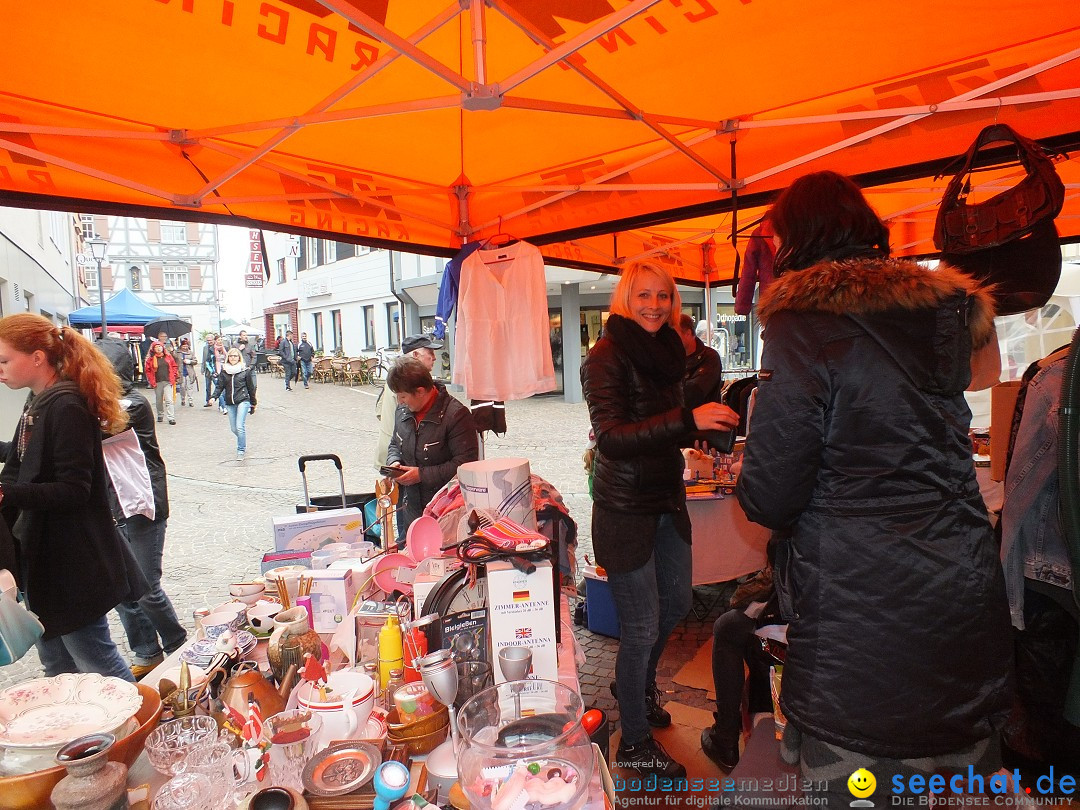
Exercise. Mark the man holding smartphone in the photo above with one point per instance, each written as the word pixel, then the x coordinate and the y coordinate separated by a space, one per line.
pixel 434 434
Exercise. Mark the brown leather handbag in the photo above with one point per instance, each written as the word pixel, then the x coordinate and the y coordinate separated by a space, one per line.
pixel 1008 240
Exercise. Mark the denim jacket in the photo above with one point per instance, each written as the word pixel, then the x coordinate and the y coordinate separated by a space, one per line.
pixel 1032 537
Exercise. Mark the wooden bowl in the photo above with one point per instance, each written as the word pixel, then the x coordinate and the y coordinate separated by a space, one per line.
pixel 420 736
pixel 421 725
pixel 32 790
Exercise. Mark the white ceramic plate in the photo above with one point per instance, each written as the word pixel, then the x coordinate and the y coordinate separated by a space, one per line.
pixel 48 712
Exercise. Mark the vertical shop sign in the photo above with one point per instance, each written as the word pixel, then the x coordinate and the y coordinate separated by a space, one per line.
pixel 253 273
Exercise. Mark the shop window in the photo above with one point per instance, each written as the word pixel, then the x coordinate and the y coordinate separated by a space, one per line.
pixel 335 324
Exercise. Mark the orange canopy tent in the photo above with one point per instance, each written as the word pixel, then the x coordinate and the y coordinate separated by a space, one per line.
pixel 602 130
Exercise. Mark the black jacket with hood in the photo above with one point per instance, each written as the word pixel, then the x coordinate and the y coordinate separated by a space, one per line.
pixel 238 386
pixel 899 642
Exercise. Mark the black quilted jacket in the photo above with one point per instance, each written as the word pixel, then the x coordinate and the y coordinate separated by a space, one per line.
pixel 639 425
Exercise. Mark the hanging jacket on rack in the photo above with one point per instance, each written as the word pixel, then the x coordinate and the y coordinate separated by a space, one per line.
pixel 757 268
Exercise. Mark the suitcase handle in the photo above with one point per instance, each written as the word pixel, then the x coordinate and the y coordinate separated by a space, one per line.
pixel 303 460
pixel 302 463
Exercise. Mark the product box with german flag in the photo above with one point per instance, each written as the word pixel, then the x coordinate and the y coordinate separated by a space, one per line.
pixel 522 610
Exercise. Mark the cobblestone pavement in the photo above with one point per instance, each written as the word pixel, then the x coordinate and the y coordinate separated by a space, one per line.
pixel 221 508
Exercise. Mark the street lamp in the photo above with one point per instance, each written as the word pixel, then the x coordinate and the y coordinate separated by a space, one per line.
pixel 99 249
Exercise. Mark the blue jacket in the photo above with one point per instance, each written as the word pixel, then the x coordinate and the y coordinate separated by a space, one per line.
pixel 1032 538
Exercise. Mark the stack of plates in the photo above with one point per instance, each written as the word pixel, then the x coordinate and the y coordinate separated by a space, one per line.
pixel 200 652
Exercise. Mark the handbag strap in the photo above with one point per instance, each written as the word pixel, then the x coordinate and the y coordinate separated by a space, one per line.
pixel 1032 157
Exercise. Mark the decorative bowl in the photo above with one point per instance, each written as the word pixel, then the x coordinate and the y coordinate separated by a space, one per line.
pixel 32 790
pixel 51 712
pixel 170 744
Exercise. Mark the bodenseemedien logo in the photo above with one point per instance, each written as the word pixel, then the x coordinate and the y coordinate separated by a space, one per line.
pixel 862 785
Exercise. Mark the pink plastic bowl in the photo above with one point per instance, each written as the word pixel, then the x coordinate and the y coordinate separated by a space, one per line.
pixel 385 572
pixel 424 538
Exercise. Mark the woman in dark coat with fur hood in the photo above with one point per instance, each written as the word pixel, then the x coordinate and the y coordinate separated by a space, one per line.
pixel 899 646
pixel 73 566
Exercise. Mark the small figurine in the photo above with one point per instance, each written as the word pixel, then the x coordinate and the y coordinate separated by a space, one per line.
pixel 315 672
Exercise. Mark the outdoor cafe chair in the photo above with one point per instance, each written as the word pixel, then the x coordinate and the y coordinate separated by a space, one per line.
pixel 338 369
pixel 323 370
pixel 275 365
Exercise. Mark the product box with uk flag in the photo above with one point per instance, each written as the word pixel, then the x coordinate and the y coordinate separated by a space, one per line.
pixel 522 610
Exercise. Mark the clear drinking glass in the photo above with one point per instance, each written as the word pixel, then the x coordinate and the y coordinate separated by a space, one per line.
pixel 293 735
pixel 170 743
pixel 188 791
pixel 226 768
pixel 473 677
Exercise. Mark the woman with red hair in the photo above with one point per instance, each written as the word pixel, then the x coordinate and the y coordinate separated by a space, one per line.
pixel 73 567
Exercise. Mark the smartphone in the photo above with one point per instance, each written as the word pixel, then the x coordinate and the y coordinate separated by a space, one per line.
pixel 393 472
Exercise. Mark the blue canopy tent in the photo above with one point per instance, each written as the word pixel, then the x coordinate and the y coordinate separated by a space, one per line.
pixel 123 309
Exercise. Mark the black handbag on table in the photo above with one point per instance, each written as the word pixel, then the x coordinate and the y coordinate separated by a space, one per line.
pixel 1008 240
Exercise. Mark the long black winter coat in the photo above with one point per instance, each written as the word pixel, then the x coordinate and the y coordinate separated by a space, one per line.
pixel 900 643
pixel 75 566
pixel 639 423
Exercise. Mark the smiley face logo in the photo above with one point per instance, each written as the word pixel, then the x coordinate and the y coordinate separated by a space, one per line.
pixel 862 783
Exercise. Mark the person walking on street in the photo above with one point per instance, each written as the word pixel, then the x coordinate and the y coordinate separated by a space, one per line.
pixel 162 373
pixel 422 347
pixel 247 349
pixel 152 627
pixel 236 385
pixel 286 350
pixel 188 380
pixel 74 567
pixel 305 353
pixel 209 367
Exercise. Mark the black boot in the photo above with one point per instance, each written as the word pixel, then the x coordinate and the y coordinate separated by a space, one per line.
pixel 722 747
pixel 654 712
pixel 649 757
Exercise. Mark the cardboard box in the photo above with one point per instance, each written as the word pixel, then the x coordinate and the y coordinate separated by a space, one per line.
pixel 275 559
pixel 332 593
pixel 1002 405
pixel 522 611
pixel 316 529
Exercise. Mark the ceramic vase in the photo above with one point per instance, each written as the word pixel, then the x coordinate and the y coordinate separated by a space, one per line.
pixel 92 782
pixel 292 637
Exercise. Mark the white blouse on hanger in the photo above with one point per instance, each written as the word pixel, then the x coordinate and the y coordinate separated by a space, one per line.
pixel 503 342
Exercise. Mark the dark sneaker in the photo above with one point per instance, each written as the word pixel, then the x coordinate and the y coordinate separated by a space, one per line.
pixel 654 712
pixel 724 752
pixel 647 758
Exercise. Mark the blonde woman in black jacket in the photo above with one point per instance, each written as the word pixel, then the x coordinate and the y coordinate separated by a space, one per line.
pixel 632 380
pixel 237 383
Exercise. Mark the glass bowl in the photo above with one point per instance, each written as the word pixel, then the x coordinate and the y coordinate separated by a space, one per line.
pixel 169 744
pixel 523 740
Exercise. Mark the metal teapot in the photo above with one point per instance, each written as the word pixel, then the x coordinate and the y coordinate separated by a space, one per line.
pixel 246 683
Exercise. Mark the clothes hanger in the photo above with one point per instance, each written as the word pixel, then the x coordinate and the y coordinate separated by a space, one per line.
pixel 495 243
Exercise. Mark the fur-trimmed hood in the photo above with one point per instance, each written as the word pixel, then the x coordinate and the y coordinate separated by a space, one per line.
pixel 869 286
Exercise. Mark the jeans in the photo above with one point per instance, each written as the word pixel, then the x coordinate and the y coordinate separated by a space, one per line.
pixel 649 601
pixel 209 380
pixel 187 385
pixel 734 641
pixel 237 418
pixel 290 372
pixel 163 398
pixel 88 649
pixel 153 616
pixel 305 367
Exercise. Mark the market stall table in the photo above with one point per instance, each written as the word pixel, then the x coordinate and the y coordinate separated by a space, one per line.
pixel 142 773
pixel 726 544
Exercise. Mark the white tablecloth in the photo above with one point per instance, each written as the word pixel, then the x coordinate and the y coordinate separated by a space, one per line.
pixel 726 544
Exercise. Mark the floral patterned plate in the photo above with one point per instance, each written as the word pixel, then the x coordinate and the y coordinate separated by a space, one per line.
pixel 53 711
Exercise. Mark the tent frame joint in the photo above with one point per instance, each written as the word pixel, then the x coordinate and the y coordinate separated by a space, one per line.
pixel 727 126
pixel 187 201
pixel 180 138
pixel 482 97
